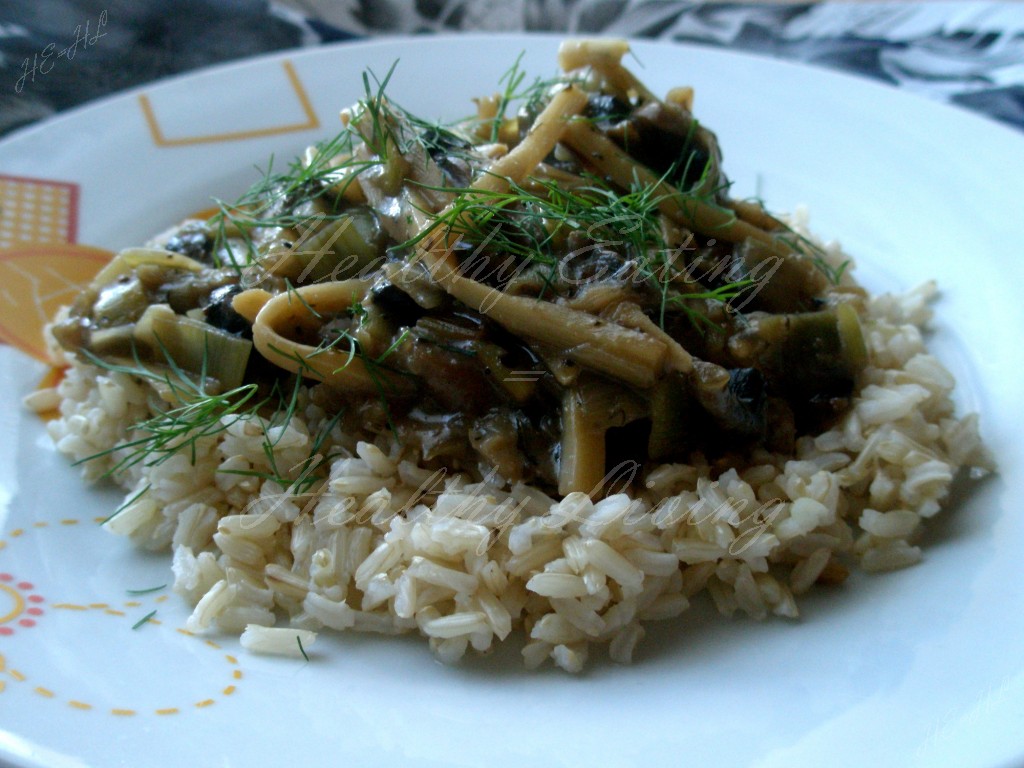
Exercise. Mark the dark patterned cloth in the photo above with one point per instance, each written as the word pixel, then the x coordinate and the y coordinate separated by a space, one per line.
pixel 56 54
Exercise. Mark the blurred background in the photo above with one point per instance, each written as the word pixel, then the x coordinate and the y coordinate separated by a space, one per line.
pixel 55 54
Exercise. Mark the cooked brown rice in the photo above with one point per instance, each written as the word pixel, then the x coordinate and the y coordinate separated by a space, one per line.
pixel 387 546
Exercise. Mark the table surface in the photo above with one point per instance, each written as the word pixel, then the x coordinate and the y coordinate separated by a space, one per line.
pixel 57 54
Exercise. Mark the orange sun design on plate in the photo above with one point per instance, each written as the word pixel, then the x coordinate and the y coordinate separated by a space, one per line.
pixel 35 281
pixel 41 267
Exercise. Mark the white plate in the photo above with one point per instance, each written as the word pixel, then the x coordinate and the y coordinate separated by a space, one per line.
pixel 921 667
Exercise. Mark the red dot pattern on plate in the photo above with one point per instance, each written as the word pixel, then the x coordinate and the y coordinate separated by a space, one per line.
pixel 20 614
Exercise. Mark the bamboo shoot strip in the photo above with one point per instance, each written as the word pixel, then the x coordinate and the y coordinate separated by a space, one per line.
pixel 629 315
pixel 546 131
pixel 755 214
pixel 341 368
pixel 514 167
pixel 605 57
pixel 621 353
pixel 624 354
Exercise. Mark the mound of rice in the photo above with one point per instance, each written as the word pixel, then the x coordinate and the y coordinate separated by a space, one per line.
pixel 387 546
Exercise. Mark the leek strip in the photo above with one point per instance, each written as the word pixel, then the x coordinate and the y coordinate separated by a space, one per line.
pixel 194 346
pixel 582 461
pixel 129 258
pixel 337 249
pixel 851 338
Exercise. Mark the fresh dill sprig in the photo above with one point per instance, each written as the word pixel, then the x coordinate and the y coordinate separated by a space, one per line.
pixel 301 477
pixel 512 79
pixel 530 96
pixel 316 462
pixel 127 504
pixel 332 166
pixel 382 135
pixel 530 221
pixel 801 244
pixel 384 125
pixel 200 414
pixel 144 620
pixel 292 293
pixel 146 591
pixel 169 431
pixel 399 340
pixel 723 294
pixel 281 420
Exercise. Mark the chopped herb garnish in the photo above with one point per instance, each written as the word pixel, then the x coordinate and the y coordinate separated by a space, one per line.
pixel 146 591
pixel 127 503
pixel 144 619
